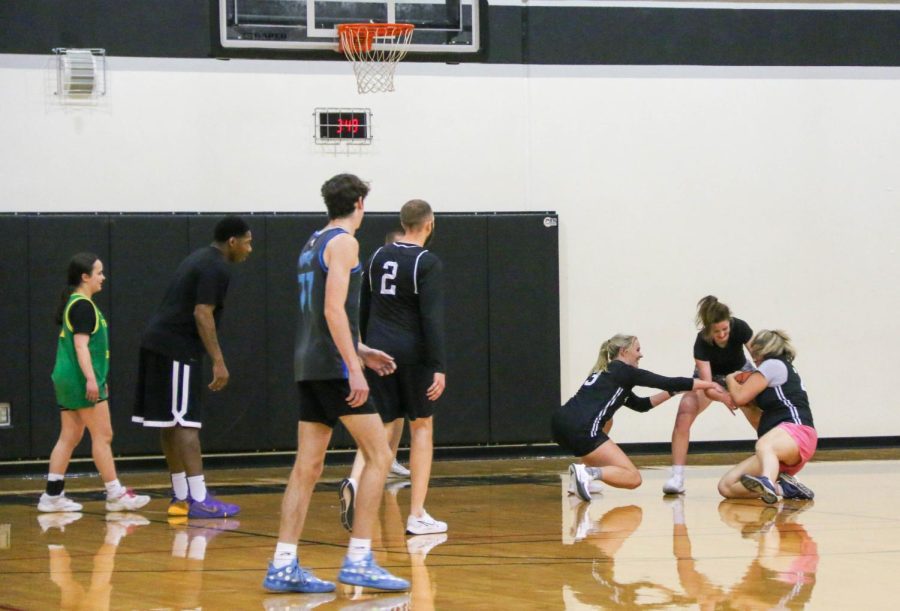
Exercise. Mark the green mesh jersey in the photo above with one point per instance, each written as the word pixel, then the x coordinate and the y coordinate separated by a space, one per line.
pixel 68 379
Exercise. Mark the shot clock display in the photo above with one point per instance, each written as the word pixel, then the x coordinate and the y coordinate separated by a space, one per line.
pixel 349 125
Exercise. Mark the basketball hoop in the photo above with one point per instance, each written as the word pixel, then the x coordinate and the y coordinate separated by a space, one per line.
pixel 374 50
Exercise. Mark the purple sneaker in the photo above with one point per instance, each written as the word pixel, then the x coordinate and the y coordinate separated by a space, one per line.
pixel 211 507
pixel 762 486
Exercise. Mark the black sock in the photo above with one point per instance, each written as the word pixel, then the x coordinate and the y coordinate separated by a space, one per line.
pixel 55 488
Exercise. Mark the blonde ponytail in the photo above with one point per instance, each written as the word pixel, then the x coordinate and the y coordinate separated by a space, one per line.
pixel 610 349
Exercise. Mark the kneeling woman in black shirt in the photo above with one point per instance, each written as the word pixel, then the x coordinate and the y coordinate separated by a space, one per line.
pixel 787 435
pixel 580 425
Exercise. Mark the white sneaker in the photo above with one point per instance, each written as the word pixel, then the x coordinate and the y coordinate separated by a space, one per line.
pixel 398 470
pixel 127 501
pixel 54 504
pixel 423 544
pixel 674 485
pixel 581 480
pixel 594 487
pixel 57 520
pixel 394 487
pixel 425 525
pixel 128 520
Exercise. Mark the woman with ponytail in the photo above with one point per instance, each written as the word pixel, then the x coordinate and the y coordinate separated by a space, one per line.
pixel 718 351
pixel 581 425
pixel 787 437
pixel 80 380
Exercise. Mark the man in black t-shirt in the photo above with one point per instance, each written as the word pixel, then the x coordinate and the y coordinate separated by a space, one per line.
pixel 172 348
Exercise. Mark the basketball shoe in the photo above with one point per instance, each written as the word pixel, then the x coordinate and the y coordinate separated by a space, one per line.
pixel 211 507
pixel 347 494
pixel 791 488
pixel 424 525
pixel 398 470
pixel 294 578
pixel 367 574
pixel 60 503
pixel 581 479
pixel 127 501
pixel 761 485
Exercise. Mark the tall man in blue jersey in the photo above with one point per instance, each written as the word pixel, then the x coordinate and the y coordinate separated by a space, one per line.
pixel 328 368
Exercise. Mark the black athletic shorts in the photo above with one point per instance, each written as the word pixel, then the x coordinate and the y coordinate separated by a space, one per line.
pixel 324 401
pixel 168 392
pixel 402 394
pixel 575 436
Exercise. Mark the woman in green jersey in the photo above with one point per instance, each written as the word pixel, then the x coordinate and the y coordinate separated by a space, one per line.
pixel 80 380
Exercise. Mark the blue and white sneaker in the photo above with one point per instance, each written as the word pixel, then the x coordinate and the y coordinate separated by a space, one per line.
pixel 367 574
pixel 761 485
pixel 211 507
pixel 791 488
pixel 294 578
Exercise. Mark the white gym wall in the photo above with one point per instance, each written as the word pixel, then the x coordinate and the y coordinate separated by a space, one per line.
pixel 776 189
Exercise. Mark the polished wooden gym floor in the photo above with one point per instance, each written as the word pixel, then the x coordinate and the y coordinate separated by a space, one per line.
pixel 516 541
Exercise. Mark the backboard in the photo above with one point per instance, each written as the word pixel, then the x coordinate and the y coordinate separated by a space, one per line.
pixel 442 26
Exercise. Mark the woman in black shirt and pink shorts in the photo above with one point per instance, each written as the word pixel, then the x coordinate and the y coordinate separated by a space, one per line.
pixel 787 436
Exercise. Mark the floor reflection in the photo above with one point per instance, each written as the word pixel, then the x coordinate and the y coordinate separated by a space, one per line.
pixel 781 575
pixel 784 572
pixel 96 594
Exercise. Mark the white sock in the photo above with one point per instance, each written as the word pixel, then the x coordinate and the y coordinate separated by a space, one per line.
pixel 114 489
pixel 285 554
pixel 114 534
pixel 180 544
pixel 197 486
pixel 678 512
pixel 358 549
pixel 197 550
pixel 179 485
pixel 678 470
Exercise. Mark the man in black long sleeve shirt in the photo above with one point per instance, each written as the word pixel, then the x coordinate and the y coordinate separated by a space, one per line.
pixel 402 314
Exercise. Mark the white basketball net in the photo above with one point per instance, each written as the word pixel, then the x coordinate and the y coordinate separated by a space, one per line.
pixel 374 52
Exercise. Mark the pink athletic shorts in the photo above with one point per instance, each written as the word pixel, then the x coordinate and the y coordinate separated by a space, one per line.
pixel 806 439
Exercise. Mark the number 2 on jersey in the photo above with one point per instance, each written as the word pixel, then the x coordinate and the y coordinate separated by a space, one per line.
pixel 388 286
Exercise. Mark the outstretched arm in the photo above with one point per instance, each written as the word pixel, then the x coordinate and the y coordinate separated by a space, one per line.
pixel 704 370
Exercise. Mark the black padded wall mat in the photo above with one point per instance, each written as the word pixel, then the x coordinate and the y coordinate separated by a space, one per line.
pixel 524 304
pixel 15 366
pixel 52 240
pixel 285 235
pixel 144 252
pixel 500 275
pixel 233 416
pixel 463 415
